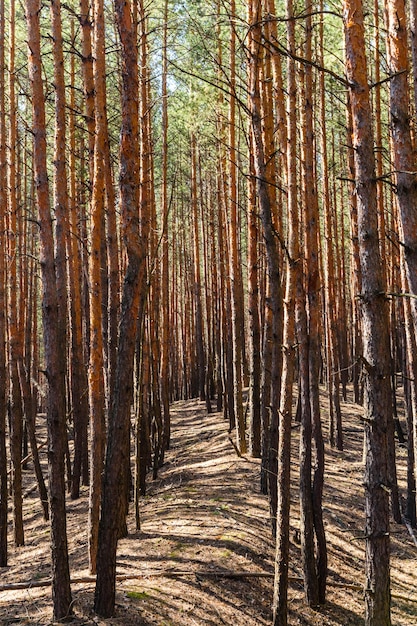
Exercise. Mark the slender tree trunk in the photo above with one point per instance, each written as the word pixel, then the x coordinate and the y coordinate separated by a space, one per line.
pixel 254 321
pixel 79 376
pixel 27 304
pixel 271 375
pixel 282 467
pixel 237 304
pixel 317 588
pixel 306 496
pixel 410 393
pixel 3 407
pixel 61 591
pixel 217 288
pixel 413 36
pixel 229 400
pixel 136 236
pixel 16 347
pixel 333 376
pixel 356 272
pixel 88 82
pixel 199 337
pixel 60 183
pixel 375 328
pixel 165 343
pixel 280 599
pixel 204 212
pixel 404 157
pixel 270 73
pixel 96 374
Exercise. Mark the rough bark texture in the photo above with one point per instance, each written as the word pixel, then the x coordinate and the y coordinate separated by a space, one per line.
pixel 60 194
pixel 311 589
pixel 165 343
pixel 234 258
pixel 198 308
pixel 135 235
pixel 410 392
pixel 15 340
pixel 413 33
pixel 96 373
pixel 272 352
pixel 375 329
pixel 3 408
pixel 78 376
pixel 309 355
pixel 313 290
pixel 402 148
pixel 61 591
pixel 254 399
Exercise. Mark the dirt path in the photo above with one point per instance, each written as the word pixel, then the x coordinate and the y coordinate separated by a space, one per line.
pixel 204 514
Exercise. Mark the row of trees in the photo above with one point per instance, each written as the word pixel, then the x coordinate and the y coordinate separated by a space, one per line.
pixel 262 232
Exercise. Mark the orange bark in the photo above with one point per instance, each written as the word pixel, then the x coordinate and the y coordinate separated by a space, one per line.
pixel 96 373
pixel 375 327
pixel 135 230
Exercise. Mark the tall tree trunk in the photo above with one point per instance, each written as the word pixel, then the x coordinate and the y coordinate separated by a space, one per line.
pixel 356 272
pixel 27 304
pixel 312 268
pixel 96 373
pixel 254 320
pixel 413 36
pixel 135 236
pixel 280 599
pixel 333 376
pixel 60 192
pixel 272 341
pixel 237 303
pixel 15 342
pixel 3 407
pixel 79 375
pixel 281 523
pixel 404 157
pixel 204 213
pixel 88 82
pixel 199 333
pixel 410 393
pixel 53 349
pixel 375 328
pixel 165 343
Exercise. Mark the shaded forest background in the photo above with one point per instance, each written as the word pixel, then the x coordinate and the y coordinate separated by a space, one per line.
pixel 195 200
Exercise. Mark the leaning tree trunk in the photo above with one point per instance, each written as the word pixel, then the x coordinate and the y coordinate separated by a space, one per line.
pixel 61 590
pixel 375 329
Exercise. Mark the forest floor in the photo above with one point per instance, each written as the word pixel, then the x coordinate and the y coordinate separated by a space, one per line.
pixel 204 514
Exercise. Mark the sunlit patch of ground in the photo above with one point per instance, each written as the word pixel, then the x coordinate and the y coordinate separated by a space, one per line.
pixel 203 514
